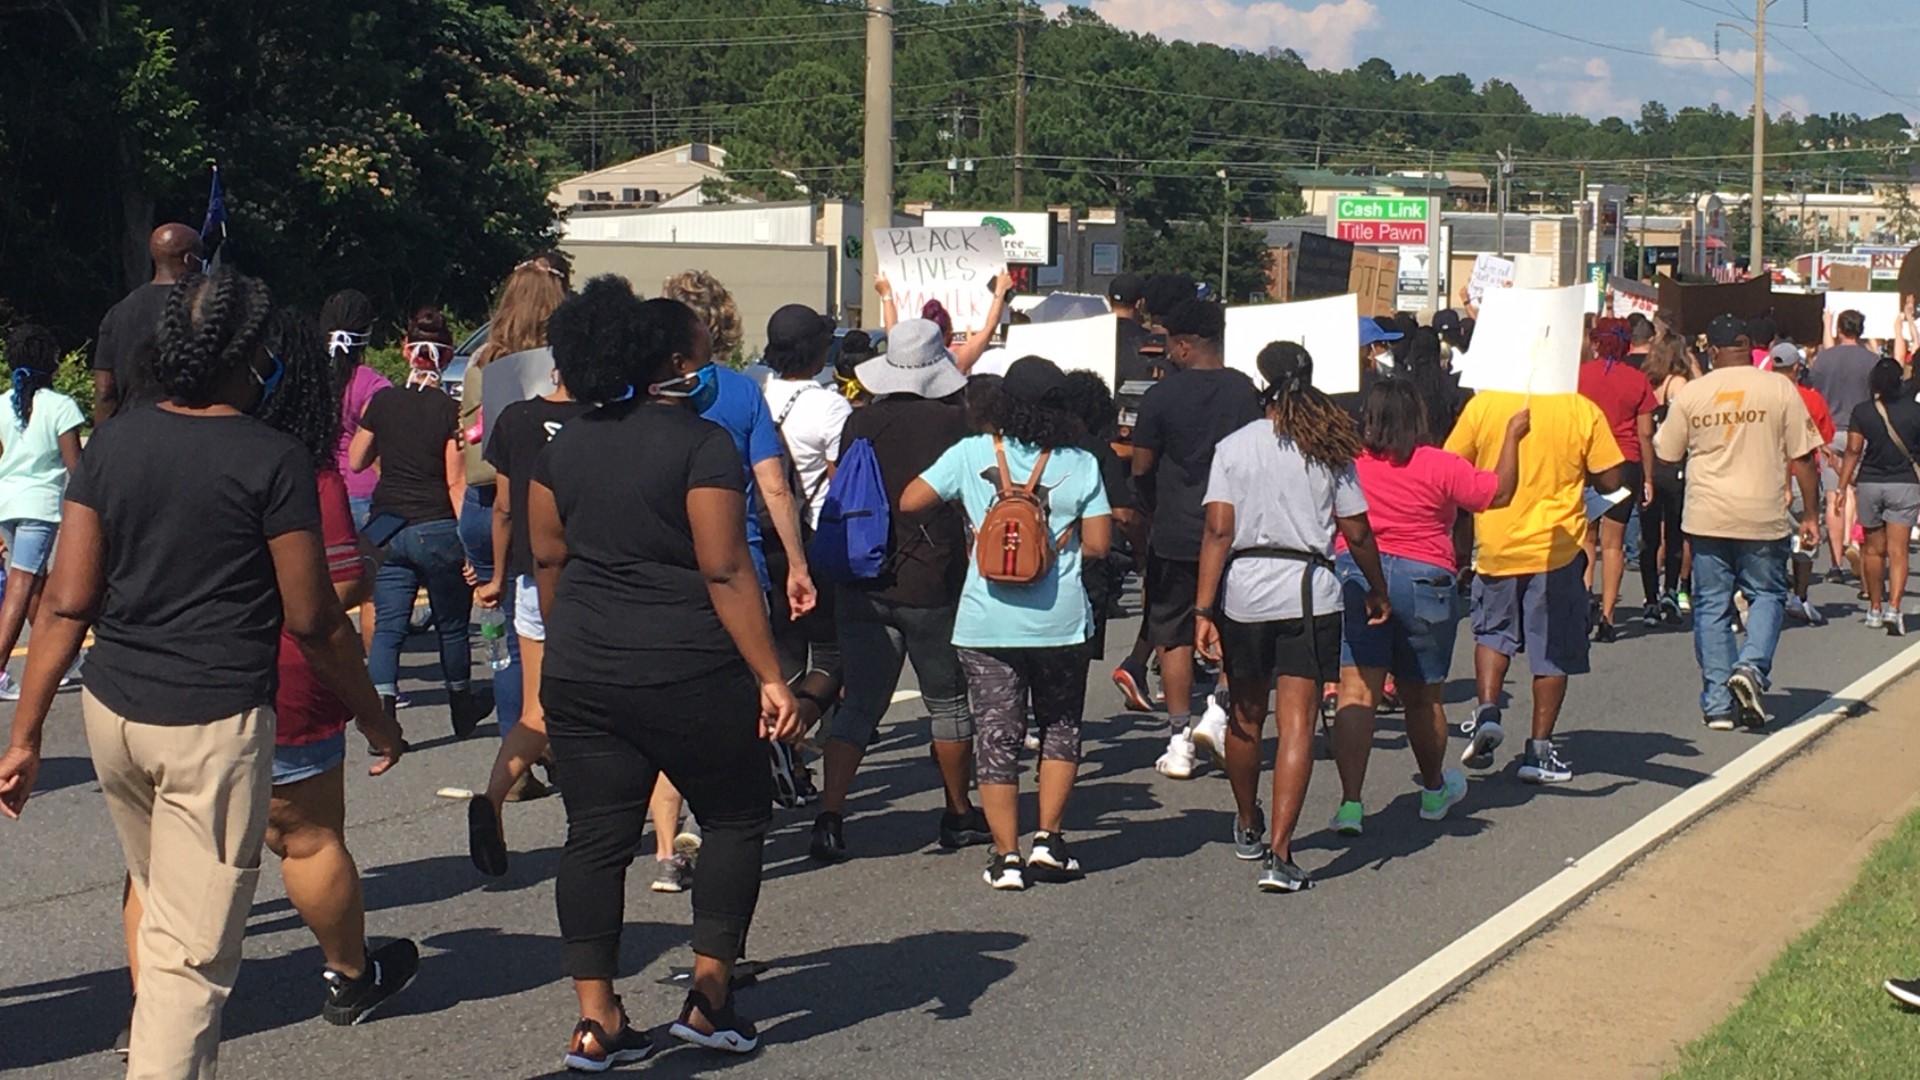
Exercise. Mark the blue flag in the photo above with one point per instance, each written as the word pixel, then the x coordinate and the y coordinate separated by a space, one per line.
pixel 216 209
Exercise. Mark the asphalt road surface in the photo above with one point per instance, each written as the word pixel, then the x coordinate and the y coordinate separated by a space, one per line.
pixel 1164 960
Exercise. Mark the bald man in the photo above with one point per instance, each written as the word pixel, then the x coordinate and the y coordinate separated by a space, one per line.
pixel 128 334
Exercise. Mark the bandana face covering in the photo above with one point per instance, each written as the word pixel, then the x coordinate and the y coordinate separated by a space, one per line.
pixel 426 359
pixel 345 341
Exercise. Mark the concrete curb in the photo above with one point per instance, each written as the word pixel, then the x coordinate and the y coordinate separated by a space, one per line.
pixel 1347 1042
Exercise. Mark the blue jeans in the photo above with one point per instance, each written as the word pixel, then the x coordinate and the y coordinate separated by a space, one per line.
pixel 1757 568
pixel 426 554
pixel 476 536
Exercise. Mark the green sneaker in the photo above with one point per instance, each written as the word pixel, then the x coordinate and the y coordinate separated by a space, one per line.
pixel 1346 820
pixel 1435 804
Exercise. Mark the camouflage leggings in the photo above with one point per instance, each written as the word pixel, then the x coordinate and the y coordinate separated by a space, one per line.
pixel 999 684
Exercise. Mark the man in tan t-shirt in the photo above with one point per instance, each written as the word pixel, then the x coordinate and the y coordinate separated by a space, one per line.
pixel 1742 433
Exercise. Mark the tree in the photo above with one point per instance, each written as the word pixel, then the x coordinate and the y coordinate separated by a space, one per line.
pixel 1903 217
pixel 803 137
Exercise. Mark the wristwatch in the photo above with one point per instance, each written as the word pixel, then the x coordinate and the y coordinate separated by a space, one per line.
pixel 1211 611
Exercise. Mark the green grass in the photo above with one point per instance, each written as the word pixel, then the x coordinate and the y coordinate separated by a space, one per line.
pixel 1819 1010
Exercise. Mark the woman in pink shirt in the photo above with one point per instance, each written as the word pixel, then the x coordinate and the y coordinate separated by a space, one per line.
pixel 1414 493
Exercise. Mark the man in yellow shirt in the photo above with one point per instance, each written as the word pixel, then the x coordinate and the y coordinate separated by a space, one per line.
pixel 1743 432
pixel 1529 586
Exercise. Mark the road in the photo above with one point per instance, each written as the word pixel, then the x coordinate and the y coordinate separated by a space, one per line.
pixel 900 962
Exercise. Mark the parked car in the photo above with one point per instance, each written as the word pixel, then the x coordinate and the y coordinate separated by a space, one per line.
pixel 455 377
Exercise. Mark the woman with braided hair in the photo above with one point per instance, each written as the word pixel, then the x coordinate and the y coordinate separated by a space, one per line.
pixel 1269 604
pixel 190 540
pixel 40 430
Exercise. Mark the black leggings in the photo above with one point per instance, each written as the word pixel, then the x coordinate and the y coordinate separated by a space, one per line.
pixel 1660 521
pixel 611 742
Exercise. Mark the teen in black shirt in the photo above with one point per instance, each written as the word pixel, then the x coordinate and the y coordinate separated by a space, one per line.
pixel 657 638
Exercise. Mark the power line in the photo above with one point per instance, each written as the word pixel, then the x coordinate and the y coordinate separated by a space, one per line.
pixel 1905 101
pixel 1270 103
pixel 1579 40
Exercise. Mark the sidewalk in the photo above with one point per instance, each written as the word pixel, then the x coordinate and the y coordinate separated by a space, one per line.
pixel 1656 959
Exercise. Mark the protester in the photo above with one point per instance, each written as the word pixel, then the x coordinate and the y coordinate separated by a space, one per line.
pixel 347 321
pixel 1739 460
pixel 1086 396
pixel 1378 339
pixel 1841 373
pixel 1440 393
pixel 180 684
pixel 1626 398
pixel 1529 587
pixel 1414 493
pixel 1881 470
pixel 1662 544
pixel 1640 337
pixel 41 443
pixel 967 353
pixel 1786 360
pixel 123 351
pixel 517 333
pixel 1022 643
pixel 411 433
pixel 855 348
pixel 1183 417
pixel 1127 295
pixel 1268 607
pixel 657 635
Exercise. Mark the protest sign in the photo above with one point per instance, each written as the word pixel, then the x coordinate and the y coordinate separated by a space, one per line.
pixel 955 265
pixel 1882 310
pixel 1909 280
pixel 1692 307
pixel 1489 272
pixel 1072 344
pixel 1527 341
pixel 1065 306
pixel 518 377
pixel 1630 296
pixel 1329 329
pixel 1322 266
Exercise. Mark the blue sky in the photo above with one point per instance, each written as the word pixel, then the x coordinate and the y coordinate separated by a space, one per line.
pixel 1857 57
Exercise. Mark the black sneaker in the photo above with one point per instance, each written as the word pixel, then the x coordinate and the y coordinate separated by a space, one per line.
pixel 593 1050
pixel 964 830
pixel 1543 765
pixel 1652 616
pixel 1745 686
pixel 1723 722
pixel 1051 857
pixel 1604 633
pixel 730 1032
pixel 828 844
pixel 786 794
pixel 468 707
pixel 1282 876
pixel 124 1041
pixel 1904 991
pixel 485 845
pixel 1670 610
pixel 1006 872
pixel 389 969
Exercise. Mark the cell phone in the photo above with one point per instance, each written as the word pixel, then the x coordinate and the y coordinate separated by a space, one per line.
pixel 382 528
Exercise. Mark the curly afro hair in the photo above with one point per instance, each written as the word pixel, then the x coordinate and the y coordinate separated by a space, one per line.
pixel 306 405
pixel 212 326
pixel 1086 396
pixel 1046 426
pixel 608 343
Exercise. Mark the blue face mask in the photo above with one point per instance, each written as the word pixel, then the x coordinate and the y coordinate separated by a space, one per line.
pixel 270 382
pixel 701 388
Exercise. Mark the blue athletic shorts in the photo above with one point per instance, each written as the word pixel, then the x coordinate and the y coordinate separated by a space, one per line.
pixel 1543 615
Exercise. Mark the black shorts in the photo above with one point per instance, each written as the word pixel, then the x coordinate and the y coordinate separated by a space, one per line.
pixel 1171 586
pixel 1634 480
pixel 1255 654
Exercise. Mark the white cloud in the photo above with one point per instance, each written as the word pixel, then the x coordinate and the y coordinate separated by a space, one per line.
pixel 1324 34
pixel 1692 54
pixel 1571 85
pixel 1599 69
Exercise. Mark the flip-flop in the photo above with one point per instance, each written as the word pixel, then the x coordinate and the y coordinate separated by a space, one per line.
pixel 484 842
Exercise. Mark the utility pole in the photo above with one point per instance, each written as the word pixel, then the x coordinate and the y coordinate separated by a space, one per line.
pixel 1755 254
pixel 877 194
pixel 1020 108
pixel 1226 228
pixel 1646 200
pixel 1500 219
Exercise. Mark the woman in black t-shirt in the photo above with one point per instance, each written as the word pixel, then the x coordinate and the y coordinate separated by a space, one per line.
pixel 1879 466
pixel 657 637
pixel 412 433
pixel 190 537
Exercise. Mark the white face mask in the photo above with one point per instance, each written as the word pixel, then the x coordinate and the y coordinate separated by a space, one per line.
pixel 1384 359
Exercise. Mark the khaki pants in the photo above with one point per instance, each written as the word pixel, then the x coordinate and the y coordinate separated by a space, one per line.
pixel 190 805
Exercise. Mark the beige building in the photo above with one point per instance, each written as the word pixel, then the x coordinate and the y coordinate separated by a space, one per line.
pixel 671 177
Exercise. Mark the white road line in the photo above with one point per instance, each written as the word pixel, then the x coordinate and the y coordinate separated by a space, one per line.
pixel 1343 1044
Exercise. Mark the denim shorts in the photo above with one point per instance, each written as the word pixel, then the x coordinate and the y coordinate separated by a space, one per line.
pixel 292 764
pixel 1543 615
pixel 1416 645
pixel 30 544
pixel 526 609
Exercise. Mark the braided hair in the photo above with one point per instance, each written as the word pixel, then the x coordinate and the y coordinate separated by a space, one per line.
pixel 34 356
pixel 212 326
pixel 347 321
pixel 1322 430
pixel 307 403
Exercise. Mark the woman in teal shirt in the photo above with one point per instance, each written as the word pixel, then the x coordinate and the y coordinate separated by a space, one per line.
pixel 1025 642
pixel 40 429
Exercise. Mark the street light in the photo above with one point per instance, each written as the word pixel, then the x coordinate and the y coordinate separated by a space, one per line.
pixel 1226 220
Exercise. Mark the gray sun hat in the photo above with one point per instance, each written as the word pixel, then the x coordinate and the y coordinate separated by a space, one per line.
pixel 916 362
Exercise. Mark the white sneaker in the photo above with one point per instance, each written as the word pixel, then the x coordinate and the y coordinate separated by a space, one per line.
pixel 1177 762
pixel 1033 742
pixel 9 690
pixel 1797 609
pixel 1875 619
pixel 1814 617
pixel 1210 734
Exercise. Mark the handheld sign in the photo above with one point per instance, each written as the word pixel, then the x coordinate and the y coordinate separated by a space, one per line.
pixel 1072 344
pixel 955 265
pixel 1882 310
pixel 1490 272
pixel 1527 342
pixel 1329 329
pixel 519 377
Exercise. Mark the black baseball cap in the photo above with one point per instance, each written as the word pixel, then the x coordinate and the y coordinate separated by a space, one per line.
pixel 798 326
pixel 1725 331
pixel 1031 379
pixel 1127 289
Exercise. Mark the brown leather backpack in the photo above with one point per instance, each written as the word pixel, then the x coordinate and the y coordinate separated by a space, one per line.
pixel 1013 544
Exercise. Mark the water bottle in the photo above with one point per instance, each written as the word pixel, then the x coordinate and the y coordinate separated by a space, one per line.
pixel 493 632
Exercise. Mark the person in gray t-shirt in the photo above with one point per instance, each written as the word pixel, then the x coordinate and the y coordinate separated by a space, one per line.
pixel 1841 374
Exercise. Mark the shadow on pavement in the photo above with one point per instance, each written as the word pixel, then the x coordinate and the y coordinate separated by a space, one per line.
pixel 65 1018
